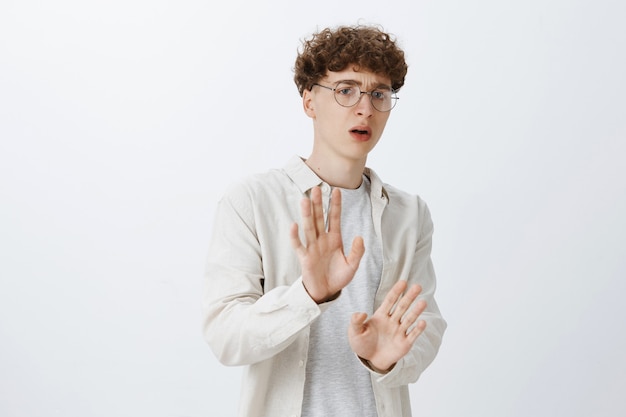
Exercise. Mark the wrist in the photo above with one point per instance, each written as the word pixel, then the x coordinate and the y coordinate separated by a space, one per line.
pixel 379 370
pixel 321 300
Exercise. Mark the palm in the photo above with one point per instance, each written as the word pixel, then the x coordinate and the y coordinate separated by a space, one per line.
pixel 390 332
pixel 325 268
pixel 325 259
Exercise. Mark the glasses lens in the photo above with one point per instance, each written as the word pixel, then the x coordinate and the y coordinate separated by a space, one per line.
pixel 383 99
pixel 348 94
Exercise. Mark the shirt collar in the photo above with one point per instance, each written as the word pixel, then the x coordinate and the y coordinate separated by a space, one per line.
pixel 301 175
pixel 304 178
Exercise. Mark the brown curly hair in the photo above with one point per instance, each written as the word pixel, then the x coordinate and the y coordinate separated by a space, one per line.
pixel 366 47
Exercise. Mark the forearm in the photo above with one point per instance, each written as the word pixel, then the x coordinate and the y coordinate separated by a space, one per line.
pixel 243 328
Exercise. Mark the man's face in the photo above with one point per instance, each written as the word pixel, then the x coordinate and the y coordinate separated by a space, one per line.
pixel 346 132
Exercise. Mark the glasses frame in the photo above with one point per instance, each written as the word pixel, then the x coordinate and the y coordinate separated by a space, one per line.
pixel 369 93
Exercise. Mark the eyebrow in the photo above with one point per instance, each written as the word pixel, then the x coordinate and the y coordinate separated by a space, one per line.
pixel 360 83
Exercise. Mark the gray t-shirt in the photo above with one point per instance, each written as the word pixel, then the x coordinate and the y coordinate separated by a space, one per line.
pixel 337 384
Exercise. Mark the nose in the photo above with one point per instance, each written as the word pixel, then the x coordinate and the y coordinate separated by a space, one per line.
pixel 364 106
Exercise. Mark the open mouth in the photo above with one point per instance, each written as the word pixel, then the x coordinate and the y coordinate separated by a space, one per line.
pixel 362 133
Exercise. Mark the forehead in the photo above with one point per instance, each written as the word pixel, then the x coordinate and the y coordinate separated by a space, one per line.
pixel 361 77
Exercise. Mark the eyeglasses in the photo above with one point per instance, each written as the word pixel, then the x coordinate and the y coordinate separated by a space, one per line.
pixel 348 94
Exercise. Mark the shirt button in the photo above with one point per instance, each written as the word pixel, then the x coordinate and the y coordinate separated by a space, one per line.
pixel 325 188
pixel 301 364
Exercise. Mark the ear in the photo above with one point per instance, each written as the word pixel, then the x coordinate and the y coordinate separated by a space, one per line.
pixel 307 103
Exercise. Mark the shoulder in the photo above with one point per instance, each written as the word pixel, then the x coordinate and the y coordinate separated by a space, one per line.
pixel 261 182
pixel 292 180
pixel 396 197
pixel 402 197
pixel 403 209
pixel 259 191
pixel 408 213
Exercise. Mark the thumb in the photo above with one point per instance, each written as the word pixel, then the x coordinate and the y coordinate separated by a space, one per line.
pixel 357 322
pixel 356 252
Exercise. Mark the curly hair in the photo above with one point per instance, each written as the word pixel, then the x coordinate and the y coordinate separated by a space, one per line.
pixel 365 47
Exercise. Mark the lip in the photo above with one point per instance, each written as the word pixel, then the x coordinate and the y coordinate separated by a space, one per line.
pixel 361 133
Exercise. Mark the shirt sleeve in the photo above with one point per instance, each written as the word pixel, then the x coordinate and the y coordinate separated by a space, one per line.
pixel 243 323
pixel 426 347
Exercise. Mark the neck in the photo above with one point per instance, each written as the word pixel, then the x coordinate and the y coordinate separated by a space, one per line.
pixel 342 173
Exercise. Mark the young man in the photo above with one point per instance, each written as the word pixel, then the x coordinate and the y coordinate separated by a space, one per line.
pixel 334 316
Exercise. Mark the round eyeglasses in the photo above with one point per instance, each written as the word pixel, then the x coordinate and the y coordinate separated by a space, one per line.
pixel 348 94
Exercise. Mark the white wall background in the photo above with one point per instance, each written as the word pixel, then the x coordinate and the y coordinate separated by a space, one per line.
pixel 121 122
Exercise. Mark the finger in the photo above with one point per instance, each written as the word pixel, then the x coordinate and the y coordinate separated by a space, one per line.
pixel 392 297
pixel 412 315
pixel 294 238
pixel 308 226
pixel 405 301
pixel 416 331
pixel 334 214
pixel 356 252
pixel 420 307
pixel 318 210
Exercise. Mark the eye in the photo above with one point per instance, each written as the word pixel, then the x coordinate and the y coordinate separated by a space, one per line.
pixel 380 94
pixel 345 90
